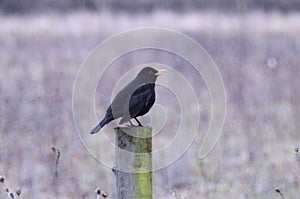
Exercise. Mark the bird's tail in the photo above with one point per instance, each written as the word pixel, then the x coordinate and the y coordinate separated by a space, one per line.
pixel 101 125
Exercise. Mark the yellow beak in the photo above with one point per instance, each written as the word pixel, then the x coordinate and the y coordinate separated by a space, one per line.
pixel 160 73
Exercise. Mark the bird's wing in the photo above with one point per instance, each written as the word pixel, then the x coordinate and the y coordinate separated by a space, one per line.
pixel 118 103
pixel 139 99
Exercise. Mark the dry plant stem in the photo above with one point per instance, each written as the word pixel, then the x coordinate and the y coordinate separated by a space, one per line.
pixel 6 189
pixel 98 192
pixel 12 196
pixel 57 151
pixel 9 194
pixel 279 192
pixel 281 195
pixel 54 181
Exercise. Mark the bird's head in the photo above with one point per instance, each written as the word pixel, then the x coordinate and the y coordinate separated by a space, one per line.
pixel 149 74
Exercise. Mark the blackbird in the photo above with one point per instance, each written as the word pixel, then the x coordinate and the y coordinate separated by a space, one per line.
pixel 134 100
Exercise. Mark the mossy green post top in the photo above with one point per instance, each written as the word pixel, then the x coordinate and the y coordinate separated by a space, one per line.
pixel 179 44
pixel 136 184
pixel 134 154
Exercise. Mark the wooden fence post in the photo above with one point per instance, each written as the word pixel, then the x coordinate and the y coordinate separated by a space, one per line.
pixel 133 169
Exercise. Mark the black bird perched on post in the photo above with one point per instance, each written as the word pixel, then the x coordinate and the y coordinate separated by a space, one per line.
pixel 134 100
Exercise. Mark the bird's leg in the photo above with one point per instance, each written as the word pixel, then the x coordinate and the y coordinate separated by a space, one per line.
pixel 138 121
pixel 131 123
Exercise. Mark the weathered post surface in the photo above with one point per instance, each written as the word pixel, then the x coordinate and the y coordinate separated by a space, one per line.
pixel 133 169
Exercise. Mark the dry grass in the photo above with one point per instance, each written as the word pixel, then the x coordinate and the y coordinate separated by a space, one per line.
pixel 80 24
pixel 258 56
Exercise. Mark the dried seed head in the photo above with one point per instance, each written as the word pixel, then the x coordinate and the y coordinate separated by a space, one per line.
pixel 297 150
pixel 104 194
pixel 12 195
pixel 277 190
pixel 18 192
pixel 7 190
pixel 98 191
pixel 2 179
pixel 53 149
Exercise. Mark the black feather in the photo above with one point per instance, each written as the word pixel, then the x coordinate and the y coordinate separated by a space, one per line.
pixel 135 100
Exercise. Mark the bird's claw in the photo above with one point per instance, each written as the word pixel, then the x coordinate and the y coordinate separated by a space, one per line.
pixel 131 124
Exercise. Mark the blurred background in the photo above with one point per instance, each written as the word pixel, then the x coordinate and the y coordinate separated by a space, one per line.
pixel 255 43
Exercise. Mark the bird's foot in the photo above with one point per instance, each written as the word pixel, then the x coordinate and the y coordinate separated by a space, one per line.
pixel 130 124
